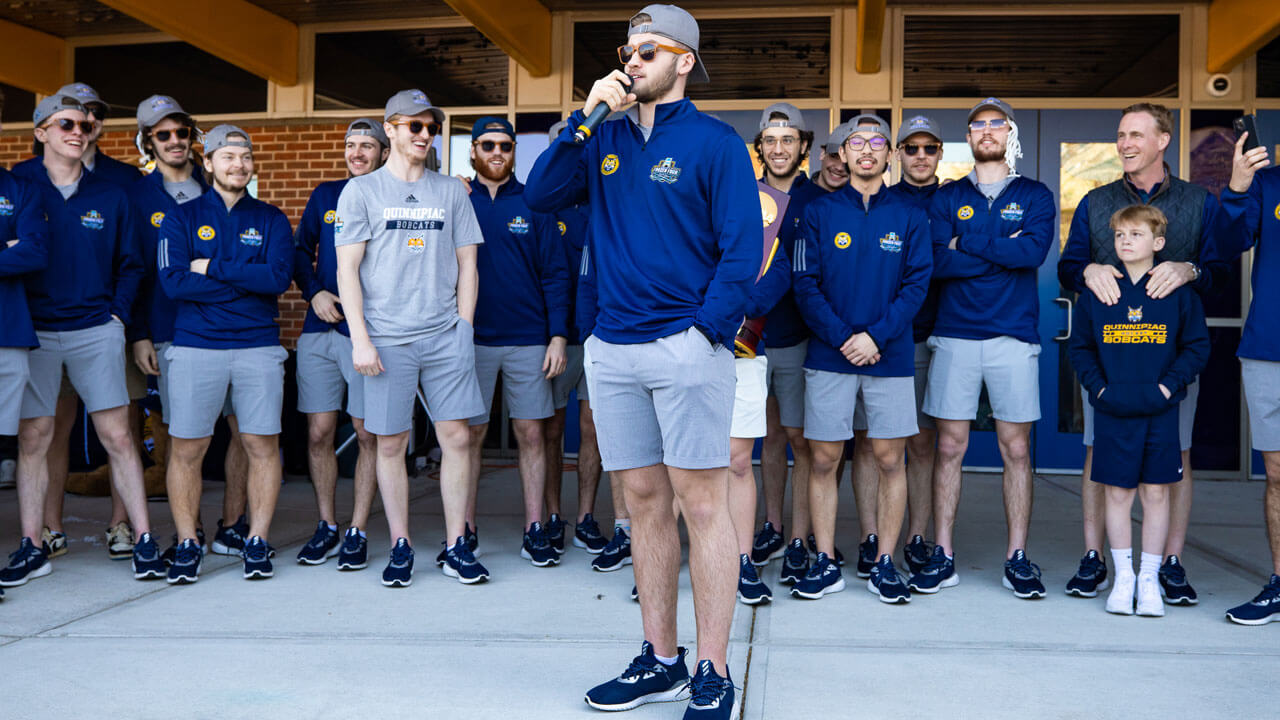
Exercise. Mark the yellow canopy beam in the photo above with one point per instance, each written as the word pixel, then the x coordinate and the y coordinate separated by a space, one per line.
pixel 30 59
pixel 522 28
pixel 237 31
pixel 870 35
pixel 1238 29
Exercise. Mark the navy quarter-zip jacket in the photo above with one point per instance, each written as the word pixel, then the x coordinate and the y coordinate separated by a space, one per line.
pixel 1254 222
pixel 153 311
pixel 21 219
pixel 315 261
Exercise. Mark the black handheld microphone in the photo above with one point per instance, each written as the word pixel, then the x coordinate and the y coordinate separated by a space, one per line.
pixel 597 116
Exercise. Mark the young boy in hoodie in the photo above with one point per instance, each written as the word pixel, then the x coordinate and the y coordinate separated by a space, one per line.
pixel 1135 358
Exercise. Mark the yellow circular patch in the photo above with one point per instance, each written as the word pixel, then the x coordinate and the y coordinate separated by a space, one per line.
pixel 563 228
pixel 965 212
pixel 1278 212
pixel 156 219
pixel 330 216
pixel 609 165
pixel 843 240
pixel 205 232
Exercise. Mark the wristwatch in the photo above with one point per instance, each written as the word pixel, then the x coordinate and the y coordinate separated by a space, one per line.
pixel 1195 271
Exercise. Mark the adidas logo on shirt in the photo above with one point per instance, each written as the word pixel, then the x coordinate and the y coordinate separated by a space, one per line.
pixel 411 198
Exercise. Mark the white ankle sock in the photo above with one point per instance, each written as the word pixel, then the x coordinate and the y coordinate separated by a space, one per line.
pixel 625 524
pixel 1150 564
pixel 1122 559
pixel 666 660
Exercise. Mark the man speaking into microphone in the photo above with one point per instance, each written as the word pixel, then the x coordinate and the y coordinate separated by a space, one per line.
pixel 675 234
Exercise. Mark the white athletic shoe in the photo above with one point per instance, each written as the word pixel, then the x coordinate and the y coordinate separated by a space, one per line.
pixel 1120 601
pixel 1150 604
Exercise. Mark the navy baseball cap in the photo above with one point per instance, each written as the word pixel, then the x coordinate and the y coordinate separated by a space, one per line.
pixel 492 123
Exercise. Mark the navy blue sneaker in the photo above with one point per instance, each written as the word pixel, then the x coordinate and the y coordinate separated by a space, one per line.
pixel 535 547
pixel 147 564
pixel 916 553
pixel 1090 577
pixel 615 555
pixel 322 545
pixel 587 535
pixel 229 539
pixel 768 545
pixel 354 553
pixel 461 564
pixel 751 589
pixel 25 563
pixel 1023 577
pixel 868 551
pixel 887 583
pixel 635 594
pixel 399 569
pixel 473 538
pixel 795 563
pixel 185 568
pixel 1262 609
pixel 823 578
pixel 554 530
pixel 257 559
pixel 711 696
pixel 167 555
pixel 939 573
pixel 646 680
pixel 1174 585
pixel 813 548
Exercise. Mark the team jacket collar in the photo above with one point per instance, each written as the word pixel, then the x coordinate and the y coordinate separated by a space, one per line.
pixel 511 186
pixel 855 197
pixel 212 198
pixel 677 111
pixel 156 178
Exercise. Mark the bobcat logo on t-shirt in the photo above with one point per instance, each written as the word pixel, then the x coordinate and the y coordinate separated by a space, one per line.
pixel 416 245
pixel 1135 314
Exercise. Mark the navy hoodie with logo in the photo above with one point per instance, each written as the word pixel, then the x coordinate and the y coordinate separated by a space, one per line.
pixel 784 326
pixel 1254 221
pixel 987 284
pixel 153 311
pixel 94 264
pixel 864 268
pixel 524 281
pixel 315 262
pixel 675 229
pixel 250 251
pixel 21 219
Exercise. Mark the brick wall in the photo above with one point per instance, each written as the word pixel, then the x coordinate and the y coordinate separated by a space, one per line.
pixel 292 157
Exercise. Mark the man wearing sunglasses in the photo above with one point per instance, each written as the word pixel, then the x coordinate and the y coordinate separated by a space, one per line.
pixel 406 251
pixel 1089 263
pixel 676 240
pixel 80 306
pixel 991 231
pixel 96 161
pixel 324 360
pixel 919 151
pixel 521 323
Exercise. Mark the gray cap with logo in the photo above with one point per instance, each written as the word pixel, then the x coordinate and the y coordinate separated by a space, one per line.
pixel 991 103
pixel 675 23
pixel 221 136
pixel 919 124
pixel 790 112
pixel 368 127
pixel 410 103
pixel 54 104
pixel 85 94
pixel 156 108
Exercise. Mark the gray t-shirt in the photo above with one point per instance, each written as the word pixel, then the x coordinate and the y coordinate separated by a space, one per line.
pixel 184 191
pixel 409 275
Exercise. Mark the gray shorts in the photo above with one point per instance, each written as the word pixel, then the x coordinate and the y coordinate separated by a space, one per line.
pixel 13 382
pixel 1010 368
pixel 830 399
pixel 573 378
pixel 162 382
pixel 202 380
pixel 923 356
pixel 525 387
pixel 1186 416
pixel 1262 392
pixel 94 361
pixel 786 382
pixel 750 398
pixel 667 401
pixel 325 374
pixel 443 366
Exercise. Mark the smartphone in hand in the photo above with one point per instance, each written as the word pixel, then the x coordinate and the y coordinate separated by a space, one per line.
pixel 1249 124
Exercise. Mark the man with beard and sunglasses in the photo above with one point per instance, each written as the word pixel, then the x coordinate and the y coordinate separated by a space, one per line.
pixel 325 372
pixel 80 306
pixel 676 239
pixel 521 324
pixel 225 257
pixel 407 280
pixel 919 153
pixel 991 231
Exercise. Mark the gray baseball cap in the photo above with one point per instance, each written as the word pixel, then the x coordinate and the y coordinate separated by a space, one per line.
pixel 220 137
pixel 675 23
pixel 556 129
pixel 410 103
pixel 85 94
pixel 369 127
pixel 792 114
pixel 156 108
pixel 838 135
pixel 919 124
pixel 991 103
pixel 876 122
pixel 55 103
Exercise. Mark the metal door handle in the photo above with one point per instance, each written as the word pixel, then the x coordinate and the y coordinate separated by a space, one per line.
pixel 1066 302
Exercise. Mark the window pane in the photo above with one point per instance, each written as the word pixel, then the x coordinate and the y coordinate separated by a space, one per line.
pixel 795 51
pixel 1269 70
pixel 203 84
pixel 18 106
pixel 454 66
